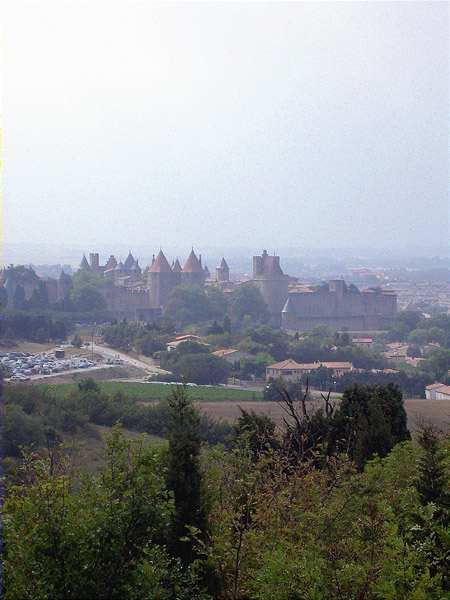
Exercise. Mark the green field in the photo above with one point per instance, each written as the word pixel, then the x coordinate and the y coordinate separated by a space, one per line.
pixel 154 391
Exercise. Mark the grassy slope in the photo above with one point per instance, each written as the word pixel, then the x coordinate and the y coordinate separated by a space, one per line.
pixel 87 447
pixel 153 391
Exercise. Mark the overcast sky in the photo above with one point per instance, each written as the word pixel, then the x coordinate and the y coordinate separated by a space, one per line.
pixel 252 124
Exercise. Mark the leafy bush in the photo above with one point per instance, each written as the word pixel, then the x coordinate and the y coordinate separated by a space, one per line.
pixel 20 431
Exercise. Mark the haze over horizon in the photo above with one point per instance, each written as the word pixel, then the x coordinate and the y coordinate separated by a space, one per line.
pixel 226 125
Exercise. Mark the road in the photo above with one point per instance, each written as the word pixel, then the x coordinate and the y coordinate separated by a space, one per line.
pixel 145 363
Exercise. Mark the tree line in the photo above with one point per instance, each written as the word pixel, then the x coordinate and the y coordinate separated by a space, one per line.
pixel 37 415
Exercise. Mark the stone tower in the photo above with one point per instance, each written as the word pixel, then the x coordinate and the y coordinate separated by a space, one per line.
pixel 272 283
pixel 94 260
pixel 64 285
pixel 223 271
pixel 192 272
pixel 161 281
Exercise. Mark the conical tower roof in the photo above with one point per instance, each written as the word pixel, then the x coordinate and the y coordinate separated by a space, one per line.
pixel 129 261
pixel 192 265
pixel 84 263
pixel 223 264
pixel 160 265
pixel 177 267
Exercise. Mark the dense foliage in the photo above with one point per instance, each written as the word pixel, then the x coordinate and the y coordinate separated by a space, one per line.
pixel 99 537
pixel 36 326
pixel 412 383
pixel 32 414
pixel 146 338
pixel 305 511
pixel 192 362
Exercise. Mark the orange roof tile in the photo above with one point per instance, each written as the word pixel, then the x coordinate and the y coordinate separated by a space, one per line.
pixel 337 365
pixel 286 364
pixel 192 265
pixel 225 352
pixel 434 386
pixel 445 389
pixel 290 364
pixel 160 265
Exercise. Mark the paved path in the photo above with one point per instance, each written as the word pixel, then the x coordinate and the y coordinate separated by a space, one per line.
pixel 111 353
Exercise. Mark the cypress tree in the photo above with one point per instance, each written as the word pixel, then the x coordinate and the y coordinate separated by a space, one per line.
pixel 370 420
pixel 433 480
pixel 184 476
pixel 433 487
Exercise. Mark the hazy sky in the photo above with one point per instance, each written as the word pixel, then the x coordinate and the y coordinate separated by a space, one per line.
pixel 259 124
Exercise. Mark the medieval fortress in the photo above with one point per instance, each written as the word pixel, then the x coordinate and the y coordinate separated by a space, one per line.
pixel 142 294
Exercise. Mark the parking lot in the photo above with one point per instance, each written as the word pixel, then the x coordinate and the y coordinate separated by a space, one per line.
pixel 24 366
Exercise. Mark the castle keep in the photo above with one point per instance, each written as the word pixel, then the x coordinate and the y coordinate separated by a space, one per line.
pixel 142 294
pixel 272 283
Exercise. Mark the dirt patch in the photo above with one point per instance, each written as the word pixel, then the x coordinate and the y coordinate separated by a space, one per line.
pixel 436 412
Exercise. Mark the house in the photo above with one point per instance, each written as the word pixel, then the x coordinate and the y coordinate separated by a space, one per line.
pixel 437 391
pixel 338 368
pixel 189 337
pixel 413 361
pixel 231 355
pixel 396 351
pixel 290 370
pixel 365 342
